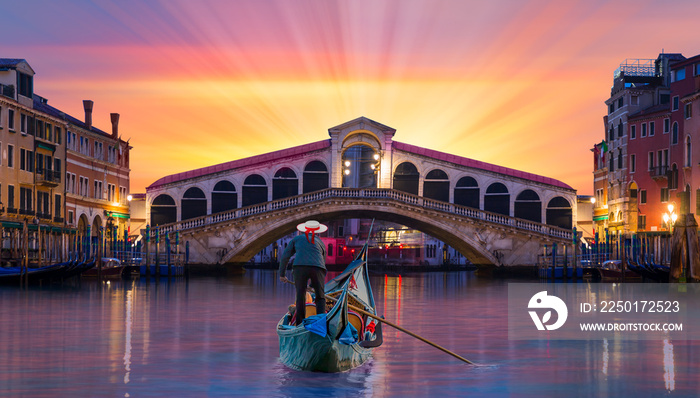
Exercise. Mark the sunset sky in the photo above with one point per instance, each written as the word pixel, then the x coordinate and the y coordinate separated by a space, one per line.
pixel 518 83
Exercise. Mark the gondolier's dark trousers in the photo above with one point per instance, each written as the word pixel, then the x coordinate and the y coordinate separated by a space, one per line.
pixel 317 275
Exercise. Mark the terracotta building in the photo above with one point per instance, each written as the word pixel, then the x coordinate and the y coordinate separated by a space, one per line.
pixel 56 168
pixel 32 148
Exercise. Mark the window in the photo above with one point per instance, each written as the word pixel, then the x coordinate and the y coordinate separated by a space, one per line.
pixel 25 84
pixel 652 126
pixel 23 123
pixel 57 206
pixel 644 130
pixel 57 166
pixel 25 200
pixel 611 165
pixel 674 134
pixel 633 132
pixel 688 111
pixel 633 163
pixel 31 125
pixel 680 74
pixel 643 196
pixel 664 194
pixel 22 158
pixel 0 117
pixel 634 100
pixel 611 108
pixel 612 133
pixel 619 129
pixel 688 152
pixel 642 222
pixel 665 163
pixel 651 161
pixel 620 102
pixel 57 135
pixel 619 158
pixel 696 68
pixel 10 156
pixel 122 195
pixel 675 104
pixel 70 217
pixel 11 197
pixel 667 125
pixel 11 119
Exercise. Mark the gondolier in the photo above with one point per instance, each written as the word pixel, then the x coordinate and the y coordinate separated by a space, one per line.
pixel 309 264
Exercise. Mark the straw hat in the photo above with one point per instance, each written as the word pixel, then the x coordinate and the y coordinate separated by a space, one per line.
pixel 312 226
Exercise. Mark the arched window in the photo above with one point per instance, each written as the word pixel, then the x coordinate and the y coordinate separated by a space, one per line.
pixel 284 184
pixel 194 204
pixel 163 210
pixel 254 190
pixel 406 178
pixel 223 197
pixel 688 152
pixel 559 213
pixel 360 166
pixel 528 206
pixel 674 133
pixel 497 199
pixel 315 177
pixel 437 186
pixel 467 192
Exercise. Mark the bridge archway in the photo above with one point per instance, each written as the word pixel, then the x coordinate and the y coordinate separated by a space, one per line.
pixel 194 203
pixel 437 185
pixel 254 190
pixel 223 197
pixel 406 178
pixel 444 229
pixel 285 184
pixel 163 210
pixel 559 212
pixel 466 192
pixel 497 199
pixel 315 177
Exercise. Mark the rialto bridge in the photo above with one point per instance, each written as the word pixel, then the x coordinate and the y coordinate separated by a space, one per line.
pixel 490 214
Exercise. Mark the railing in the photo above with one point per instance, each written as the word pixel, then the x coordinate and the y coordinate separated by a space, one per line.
pixel 637 67
pixel 49 176
pixel 369 193
pixel 658 172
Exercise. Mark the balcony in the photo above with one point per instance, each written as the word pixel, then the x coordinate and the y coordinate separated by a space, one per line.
pixel 11 210
pixel 26 212
pixel 58 219
pixel 659 172
pixel 48 178
pixel 45 216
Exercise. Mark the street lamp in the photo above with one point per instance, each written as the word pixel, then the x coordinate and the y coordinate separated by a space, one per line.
pixel 670 217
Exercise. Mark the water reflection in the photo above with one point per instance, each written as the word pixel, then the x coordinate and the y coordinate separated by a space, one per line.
pixel 669 368
pixel 216 337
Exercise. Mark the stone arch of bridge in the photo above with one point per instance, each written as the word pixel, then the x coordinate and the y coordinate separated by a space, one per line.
pixel 457 235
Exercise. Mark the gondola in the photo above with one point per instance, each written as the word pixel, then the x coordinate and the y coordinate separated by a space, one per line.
pixel 12 275
pixel 347 342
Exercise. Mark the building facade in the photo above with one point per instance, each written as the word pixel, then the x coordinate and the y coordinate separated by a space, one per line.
pixel 649 165
pixel 33 155
pixel 58 170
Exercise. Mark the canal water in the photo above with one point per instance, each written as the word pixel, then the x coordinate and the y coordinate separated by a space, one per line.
pixel 216 337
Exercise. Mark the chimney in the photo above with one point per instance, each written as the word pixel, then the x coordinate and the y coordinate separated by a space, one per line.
pixel 87 104
pixel 115 125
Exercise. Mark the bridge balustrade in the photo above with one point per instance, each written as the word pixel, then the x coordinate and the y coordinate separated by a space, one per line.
pixel 368 193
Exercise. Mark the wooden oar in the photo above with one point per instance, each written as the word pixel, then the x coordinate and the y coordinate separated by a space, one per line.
pixel 397 327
